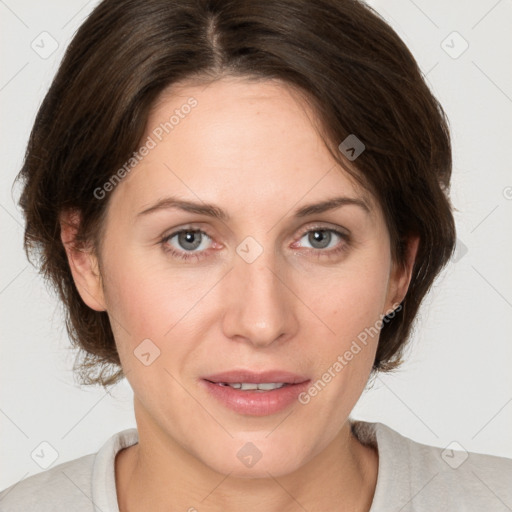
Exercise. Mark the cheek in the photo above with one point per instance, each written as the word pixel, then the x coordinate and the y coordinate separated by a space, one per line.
pixel 350 302
pixel 149 300
pixel 351 297
pixel 149 296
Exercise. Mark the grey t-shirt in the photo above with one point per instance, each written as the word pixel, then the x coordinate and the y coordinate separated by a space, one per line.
pixel 411 477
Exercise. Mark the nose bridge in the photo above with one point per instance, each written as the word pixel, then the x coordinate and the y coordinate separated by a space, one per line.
pixel 260 309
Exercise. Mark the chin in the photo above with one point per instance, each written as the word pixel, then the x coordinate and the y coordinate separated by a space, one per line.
pixel 251 460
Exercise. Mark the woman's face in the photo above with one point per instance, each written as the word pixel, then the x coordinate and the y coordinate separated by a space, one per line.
pixel 258 289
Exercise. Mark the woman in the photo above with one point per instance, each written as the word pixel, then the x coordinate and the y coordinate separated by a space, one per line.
pixel 242 205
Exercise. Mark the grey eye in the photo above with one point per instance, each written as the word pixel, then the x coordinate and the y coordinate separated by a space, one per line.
pixel 188 240
pixel 321 238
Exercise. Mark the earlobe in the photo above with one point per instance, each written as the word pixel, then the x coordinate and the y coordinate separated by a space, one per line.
pixel 83 262
pixel 401 276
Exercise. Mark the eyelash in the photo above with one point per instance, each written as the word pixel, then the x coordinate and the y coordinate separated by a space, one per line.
pixel 198 256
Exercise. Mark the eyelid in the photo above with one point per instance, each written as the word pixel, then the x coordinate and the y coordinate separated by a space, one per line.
pixel 191 226
pixel 325 226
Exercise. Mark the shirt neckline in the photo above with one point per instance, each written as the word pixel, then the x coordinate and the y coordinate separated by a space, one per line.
pixel 378 435
pixel 104 492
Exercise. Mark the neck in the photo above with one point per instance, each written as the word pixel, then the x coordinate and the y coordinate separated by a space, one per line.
pixel 159 471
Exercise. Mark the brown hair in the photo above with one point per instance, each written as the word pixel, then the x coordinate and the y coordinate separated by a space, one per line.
pixel 355 71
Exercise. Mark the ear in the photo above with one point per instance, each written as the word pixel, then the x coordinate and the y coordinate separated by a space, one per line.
pixel 82 262
pixel 400 277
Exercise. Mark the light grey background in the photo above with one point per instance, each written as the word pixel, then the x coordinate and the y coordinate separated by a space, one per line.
pixel 457 384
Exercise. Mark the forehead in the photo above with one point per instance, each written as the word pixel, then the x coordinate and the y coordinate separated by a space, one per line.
pixel 241 139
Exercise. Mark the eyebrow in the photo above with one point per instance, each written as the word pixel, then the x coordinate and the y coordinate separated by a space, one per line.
pixel 211 210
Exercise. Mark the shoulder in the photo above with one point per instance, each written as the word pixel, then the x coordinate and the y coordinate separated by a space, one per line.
pixel 85 484
pixel 467 480
pixel 421 477
pixel 63 487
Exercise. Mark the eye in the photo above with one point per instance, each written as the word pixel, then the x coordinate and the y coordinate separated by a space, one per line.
pixel 186 241
pixel 326 241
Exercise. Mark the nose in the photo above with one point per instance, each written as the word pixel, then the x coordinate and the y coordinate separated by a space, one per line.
pixel 260 308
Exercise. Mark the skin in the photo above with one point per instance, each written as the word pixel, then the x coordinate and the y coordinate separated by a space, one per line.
pixel 252 149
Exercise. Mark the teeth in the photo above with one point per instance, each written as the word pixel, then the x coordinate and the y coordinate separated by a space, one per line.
pixel 248 386
pixel 267 386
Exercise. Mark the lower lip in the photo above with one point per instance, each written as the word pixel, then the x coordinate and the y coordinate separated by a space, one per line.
pixel 256 403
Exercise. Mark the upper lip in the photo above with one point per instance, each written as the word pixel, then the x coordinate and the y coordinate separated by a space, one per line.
pixel 239 376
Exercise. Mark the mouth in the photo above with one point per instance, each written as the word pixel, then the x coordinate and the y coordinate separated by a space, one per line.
pixel 255 394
